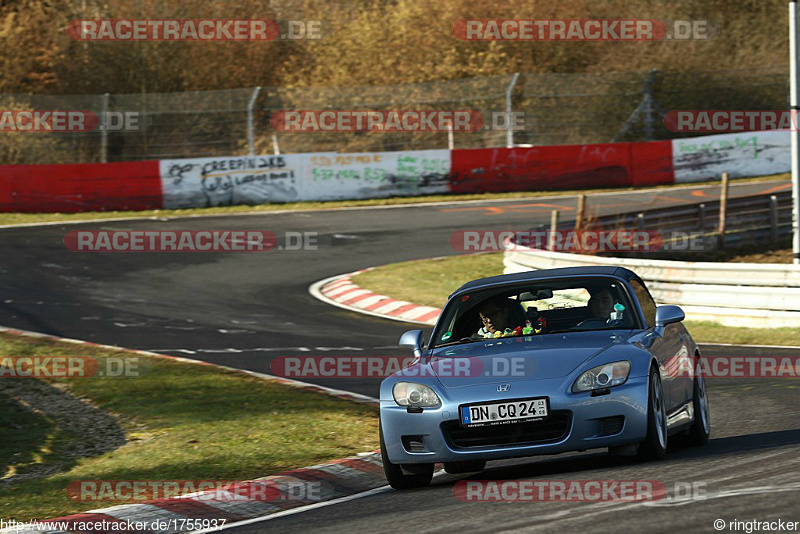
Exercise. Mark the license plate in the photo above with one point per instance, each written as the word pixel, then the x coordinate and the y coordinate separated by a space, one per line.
pixel 504 412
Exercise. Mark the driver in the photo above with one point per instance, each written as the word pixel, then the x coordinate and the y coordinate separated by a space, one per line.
pixel 494 317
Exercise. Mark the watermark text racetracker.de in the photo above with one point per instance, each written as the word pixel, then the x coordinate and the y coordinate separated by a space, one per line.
pixel 538 491
pixel 383 366
pixel 727 366
pixel 721 120
pixel 408 120
pixel 187 241
pixel 193 30
pixel 68 121
pixel 282 489
pixel 72 366
pixel 576 240
pixel 584 30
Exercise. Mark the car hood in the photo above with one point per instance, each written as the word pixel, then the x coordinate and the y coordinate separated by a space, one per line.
pixel 520 358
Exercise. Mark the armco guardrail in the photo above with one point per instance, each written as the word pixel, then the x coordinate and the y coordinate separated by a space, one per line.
pixel 734 294
pixel 750 218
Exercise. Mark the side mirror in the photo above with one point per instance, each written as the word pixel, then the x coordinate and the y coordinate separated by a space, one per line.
pixel 413 340
pixel 667 315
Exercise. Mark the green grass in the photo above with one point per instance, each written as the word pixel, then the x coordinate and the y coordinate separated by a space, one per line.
pixel 430 282
pixel 31 218
pixel 181 421
pixel 709 332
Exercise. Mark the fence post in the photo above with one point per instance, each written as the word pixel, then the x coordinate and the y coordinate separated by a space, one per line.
pixel 773 219
pixel 581 209
pixel 104 130
pixel 509 110
pixel 276 149
pixel 551 245
pixel 723 207
pixel 450 140
pixel 647 106
pixel 649 129
pixel 251 134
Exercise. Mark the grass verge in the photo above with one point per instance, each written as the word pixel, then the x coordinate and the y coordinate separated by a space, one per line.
pixel 32 218
pixel 430 282
pixel 179 421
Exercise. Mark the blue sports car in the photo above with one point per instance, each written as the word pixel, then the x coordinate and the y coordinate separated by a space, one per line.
pixel 542 362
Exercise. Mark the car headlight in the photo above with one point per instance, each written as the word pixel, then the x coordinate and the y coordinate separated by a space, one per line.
pixel 415 395
pixel 602 376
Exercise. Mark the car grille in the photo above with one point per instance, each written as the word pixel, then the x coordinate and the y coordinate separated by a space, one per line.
pixel 550 430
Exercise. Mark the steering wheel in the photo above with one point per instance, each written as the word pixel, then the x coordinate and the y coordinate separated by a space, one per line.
pixel 594 322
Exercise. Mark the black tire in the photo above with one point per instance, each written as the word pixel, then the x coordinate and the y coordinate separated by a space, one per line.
pixel 399 480
pixel 700 430
pixel 457 468
pixel 654 445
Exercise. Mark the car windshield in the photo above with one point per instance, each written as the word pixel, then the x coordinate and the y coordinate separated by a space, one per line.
pixel 536 308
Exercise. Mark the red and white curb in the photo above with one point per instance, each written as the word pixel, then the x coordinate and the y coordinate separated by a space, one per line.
pixel 342 292
pixel 341 478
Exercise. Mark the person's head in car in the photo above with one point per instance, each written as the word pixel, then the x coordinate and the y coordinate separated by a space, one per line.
pixel 602 302
pixel 494 315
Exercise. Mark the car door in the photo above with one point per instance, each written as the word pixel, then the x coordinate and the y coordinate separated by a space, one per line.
pixel 668 349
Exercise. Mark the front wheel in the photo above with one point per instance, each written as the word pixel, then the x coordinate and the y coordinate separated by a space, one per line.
pixel 654 445
pixel 399 480
pixel 701 427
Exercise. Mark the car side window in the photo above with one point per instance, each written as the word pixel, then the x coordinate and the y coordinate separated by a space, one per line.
pixel 646 301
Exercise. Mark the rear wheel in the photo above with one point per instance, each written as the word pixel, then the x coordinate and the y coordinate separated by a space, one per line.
pixel 701 427
pixel 654 445
pixel 399 480
pixel 457 468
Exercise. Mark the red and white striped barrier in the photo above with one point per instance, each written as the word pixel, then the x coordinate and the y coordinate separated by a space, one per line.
pixel 233 180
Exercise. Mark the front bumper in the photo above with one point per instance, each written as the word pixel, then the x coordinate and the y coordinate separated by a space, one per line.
pixel 578 422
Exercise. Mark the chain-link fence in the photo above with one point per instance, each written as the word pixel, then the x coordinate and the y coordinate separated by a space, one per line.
pixel 556 109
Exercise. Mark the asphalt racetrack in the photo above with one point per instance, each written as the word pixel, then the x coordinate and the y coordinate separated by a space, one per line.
pixel 245 309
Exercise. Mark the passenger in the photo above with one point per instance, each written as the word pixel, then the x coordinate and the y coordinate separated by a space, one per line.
pixel 602 303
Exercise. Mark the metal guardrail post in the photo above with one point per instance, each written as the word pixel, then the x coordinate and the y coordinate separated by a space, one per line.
pixel 773 219
pixel 723 205
pixel 581 210
pixel 251 135
pixel 509 128
pixel 551 245
pixel 701 217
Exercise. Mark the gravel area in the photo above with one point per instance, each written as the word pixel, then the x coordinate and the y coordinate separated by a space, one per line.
pixel 93 432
